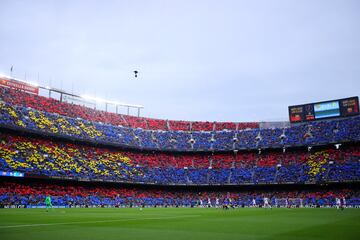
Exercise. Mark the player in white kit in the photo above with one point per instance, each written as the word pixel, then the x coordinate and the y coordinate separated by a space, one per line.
pixel 338 203
pixel 266 203
pixel 254 202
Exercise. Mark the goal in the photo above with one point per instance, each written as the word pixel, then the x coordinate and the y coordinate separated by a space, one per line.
pixel 289 202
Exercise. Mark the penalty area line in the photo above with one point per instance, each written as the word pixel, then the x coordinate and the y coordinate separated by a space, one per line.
pixel 99 221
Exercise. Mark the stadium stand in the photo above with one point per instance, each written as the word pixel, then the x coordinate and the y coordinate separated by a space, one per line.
pixel 45 138
pixel 320 133
pixel 30 194
pixel 16 97
pixel 39 156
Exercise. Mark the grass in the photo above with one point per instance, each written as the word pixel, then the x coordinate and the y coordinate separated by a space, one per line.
pixel 173 224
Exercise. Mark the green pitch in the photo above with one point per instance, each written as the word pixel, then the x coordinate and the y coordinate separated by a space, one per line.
pixel 173 224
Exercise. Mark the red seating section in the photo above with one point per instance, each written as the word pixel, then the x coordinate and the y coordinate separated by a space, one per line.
pixel 179 125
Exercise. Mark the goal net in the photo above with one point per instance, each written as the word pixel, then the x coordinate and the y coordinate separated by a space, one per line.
pixel 289 202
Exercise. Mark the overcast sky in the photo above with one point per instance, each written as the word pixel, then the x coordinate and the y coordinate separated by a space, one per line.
pixel 197 60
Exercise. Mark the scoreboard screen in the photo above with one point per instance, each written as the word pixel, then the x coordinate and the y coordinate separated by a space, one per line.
pixel 327 109
pixel 322 110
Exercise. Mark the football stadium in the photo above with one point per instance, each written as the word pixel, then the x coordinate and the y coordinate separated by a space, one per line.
pixel 82 166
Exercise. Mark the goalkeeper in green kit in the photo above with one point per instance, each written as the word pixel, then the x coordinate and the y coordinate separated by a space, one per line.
pixel 48 202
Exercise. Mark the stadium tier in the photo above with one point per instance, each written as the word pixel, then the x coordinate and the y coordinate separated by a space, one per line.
pixel 31 194
pixel 21 98
pixel 41 157
pixel 52 124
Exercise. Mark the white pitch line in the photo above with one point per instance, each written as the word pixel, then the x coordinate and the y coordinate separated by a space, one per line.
pixel 100 221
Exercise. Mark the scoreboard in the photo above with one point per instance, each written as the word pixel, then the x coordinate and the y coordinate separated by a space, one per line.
pixel 321 110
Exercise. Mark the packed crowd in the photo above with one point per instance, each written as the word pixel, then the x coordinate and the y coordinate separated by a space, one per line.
pixel 51 105
pixel 315 133
pixel 33 194
pixel 37 156
pixel 251 155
